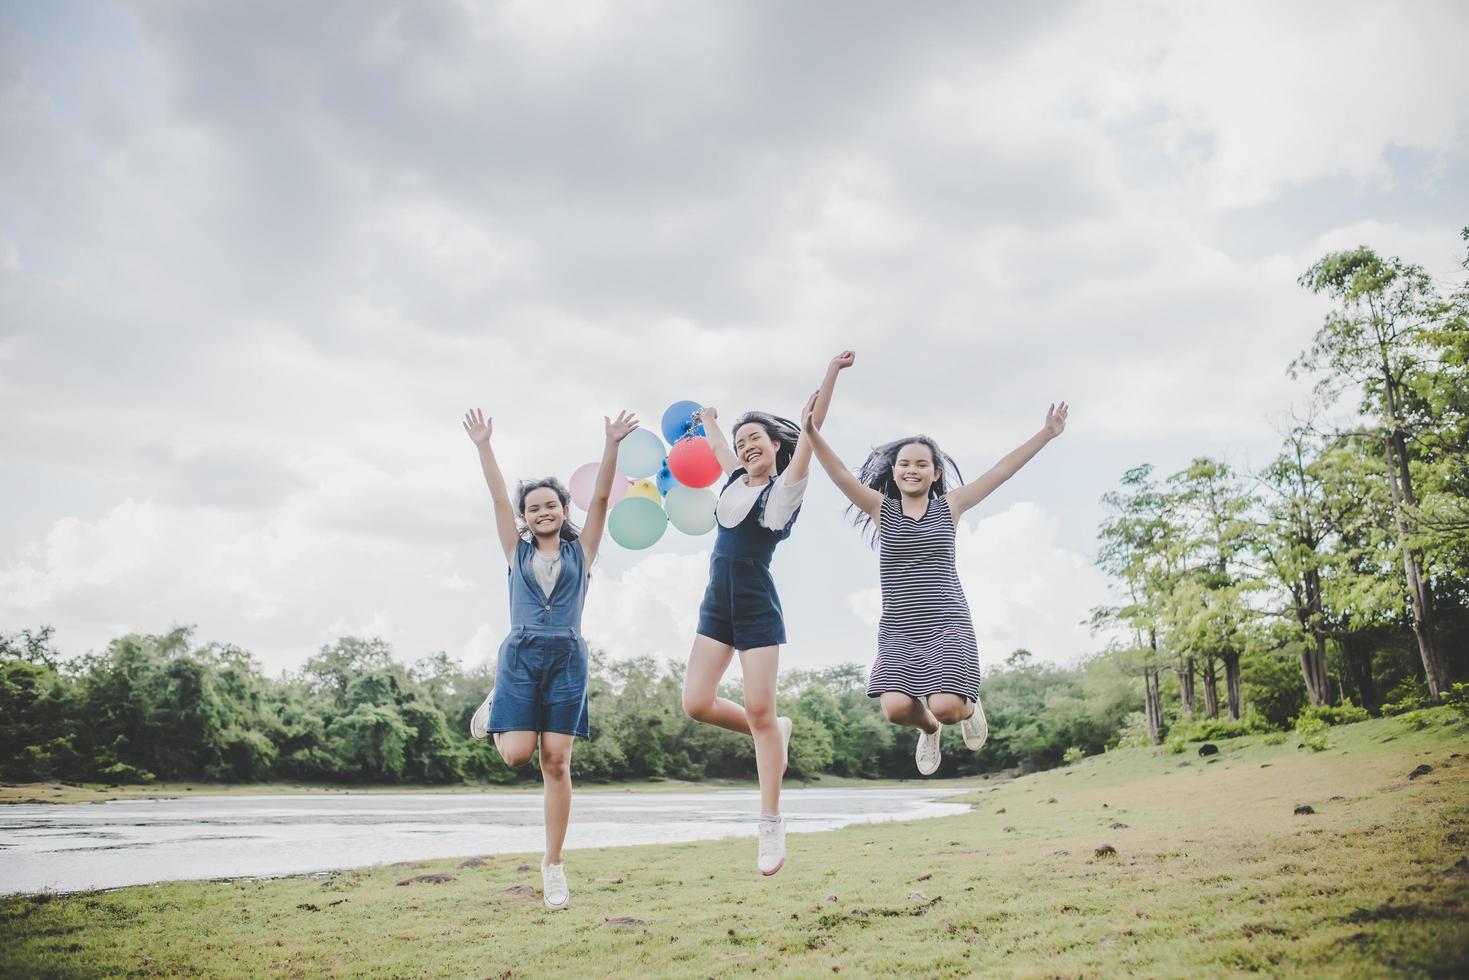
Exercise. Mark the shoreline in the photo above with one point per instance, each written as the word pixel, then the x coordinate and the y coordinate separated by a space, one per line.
pixel 58 793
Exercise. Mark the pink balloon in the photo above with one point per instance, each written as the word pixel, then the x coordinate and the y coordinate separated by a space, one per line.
pixel 693 463
pixel 584 481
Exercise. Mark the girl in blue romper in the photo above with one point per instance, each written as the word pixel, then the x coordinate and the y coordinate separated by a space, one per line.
pixel 540 693
pixel 741 611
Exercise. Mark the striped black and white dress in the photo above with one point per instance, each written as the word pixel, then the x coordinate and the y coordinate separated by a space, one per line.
pixel 925 641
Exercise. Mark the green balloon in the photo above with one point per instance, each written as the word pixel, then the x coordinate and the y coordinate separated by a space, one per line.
pixel 637 523
pixel 691 510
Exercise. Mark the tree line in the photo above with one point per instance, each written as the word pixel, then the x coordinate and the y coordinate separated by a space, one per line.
pixel 1330 583
pixel 1347 555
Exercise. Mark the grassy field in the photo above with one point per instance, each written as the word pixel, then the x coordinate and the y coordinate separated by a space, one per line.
pixel 1214 872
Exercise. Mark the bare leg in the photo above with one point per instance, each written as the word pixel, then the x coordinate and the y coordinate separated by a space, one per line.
pixel 707 663
pixel 515 748
pixel 950 708
pixel 909 712
pixel 760 666
pixel 556 773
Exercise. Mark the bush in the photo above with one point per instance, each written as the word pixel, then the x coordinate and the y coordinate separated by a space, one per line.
pixel 1345 713
pixel 1073 754
pixel 1457 697
pixel 1175 746
pixel 1312 732
pixel 1416 721
pixel 1275 738
pixel 1212 729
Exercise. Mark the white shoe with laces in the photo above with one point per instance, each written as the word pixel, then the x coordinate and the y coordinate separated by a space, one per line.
pixel 553 887
pixel 975 729
pixel 784 724
pixel 928 756
pixel 772 846
pixel 479 725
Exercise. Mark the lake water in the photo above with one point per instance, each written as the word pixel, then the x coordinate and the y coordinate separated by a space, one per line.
pixel 131 842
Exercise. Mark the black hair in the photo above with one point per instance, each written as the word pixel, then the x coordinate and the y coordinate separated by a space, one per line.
pixel 778 429
pixel 877 473
pixel 569 531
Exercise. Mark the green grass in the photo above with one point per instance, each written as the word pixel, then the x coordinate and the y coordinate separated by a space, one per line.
pixel 1214 874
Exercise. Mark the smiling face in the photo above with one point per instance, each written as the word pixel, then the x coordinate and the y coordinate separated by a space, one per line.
pixel 914 471
pixel 543 512
pixel 755 449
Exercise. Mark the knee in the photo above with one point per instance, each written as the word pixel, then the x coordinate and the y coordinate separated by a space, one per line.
pixel 895 711
pixel 950 712
pixel 515 756
pixel 761 713
pixel 555 765
pixel 696 707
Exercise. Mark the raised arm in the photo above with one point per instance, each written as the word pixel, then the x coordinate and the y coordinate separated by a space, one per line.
pixel 971 493
pixel 591 532
pixel 709 419
pixel 478 427
pixel 800 463
pixel 863 497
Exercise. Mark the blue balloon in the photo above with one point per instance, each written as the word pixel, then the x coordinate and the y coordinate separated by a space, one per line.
pixel 678 421
pixel 640 454
pixel 666 482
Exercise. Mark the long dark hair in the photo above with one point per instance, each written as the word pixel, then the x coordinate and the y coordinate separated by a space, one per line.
pixel 569 531
pixel 778 429
pixel 877 473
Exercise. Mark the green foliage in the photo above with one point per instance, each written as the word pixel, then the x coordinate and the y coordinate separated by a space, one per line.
pixel 1073 754
pixel 1345 713
pixel 1416 721
pixel 1457 697
pixel 1211 729
pixel 1274 738
pixel 1312 732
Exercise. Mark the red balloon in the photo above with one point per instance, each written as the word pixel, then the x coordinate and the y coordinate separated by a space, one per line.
pixel 692 462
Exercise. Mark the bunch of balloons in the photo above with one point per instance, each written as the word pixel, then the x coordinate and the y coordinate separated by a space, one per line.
pixel 654 487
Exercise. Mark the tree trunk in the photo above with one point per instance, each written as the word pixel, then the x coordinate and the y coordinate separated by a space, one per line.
pixel 1211 689
pixel 1231 682
pixel 1313 669
pixel 1356 656
pixel 1433 667
pixel 1186 683
pixel 1154 705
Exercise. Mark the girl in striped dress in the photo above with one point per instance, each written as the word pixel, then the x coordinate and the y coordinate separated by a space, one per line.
pixel 910 495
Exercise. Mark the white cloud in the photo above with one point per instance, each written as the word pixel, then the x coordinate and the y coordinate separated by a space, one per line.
pixel 650 609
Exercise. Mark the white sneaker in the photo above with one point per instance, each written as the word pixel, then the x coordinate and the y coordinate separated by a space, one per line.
pixel 479 725
pixel 772 846
pixel 785 742
pixel 553 887
pixel 975 729
pixel 928 755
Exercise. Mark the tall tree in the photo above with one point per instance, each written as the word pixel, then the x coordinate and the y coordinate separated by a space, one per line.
pixel 1375 340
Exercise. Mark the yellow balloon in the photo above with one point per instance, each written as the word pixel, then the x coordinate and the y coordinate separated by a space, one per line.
pixel 647 489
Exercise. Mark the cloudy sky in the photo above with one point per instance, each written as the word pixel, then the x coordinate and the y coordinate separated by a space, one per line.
pixel 256 260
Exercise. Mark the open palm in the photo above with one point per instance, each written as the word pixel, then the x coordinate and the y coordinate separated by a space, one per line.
pixel 1056 419
pixel 478 427
pixel 618 429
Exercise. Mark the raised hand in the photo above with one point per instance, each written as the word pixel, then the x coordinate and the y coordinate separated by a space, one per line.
pixel 619 429
pixel 707 414
pixel 808 414
pixel 478 427
pixel 1056 420
pixel 844 360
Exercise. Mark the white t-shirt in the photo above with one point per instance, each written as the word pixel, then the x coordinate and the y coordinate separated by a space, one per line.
pixel 737 499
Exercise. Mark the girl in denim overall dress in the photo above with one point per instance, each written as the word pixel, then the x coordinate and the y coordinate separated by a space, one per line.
pixel 741 611
pixel 540 693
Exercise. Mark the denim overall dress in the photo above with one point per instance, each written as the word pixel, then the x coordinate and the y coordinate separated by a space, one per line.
pixel 741 608
pixel 541 679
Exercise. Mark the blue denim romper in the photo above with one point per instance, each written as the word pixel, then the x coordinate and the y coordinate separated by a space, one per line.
pixel 741 608
pixel 541 678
